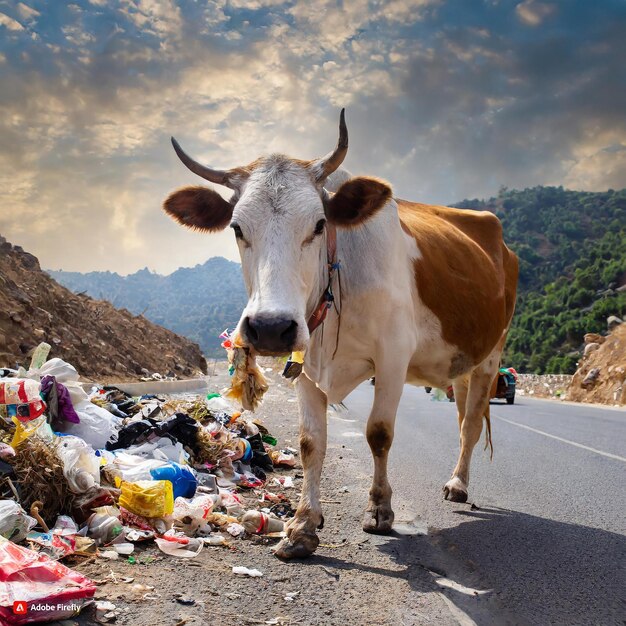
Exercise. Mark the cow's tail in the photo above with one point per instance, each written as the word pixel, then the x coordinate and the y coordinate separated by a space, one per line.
pixel 488 440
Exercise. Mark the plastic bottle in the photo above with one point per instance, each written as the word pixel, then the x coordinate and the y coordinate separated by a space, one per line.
pixel 103 528
pixel 147 498
pixel 267 438
pixel 40 355
pixel 182 478
pixel 259 523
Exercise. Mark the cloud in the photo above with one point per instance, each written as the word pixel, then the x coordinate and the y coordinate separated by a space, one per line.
pixel 533 13
pixel 447 100
pixel 10 23
pixel 27 13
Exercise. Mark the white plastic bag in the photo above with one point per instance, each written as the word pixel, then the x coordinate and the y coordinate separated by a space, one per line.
pixel 81 466
pixel 15 524
pixel 60 369
pixel 162 449
pixel 96 426
pixel 132 468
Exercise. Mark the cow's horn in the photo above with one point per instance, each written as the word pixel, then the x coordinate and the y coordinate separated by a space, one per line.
pixel 328 164
pixel 220 177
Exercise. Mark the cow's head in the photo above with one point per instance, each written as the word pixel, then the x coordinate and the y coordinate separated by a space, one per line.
pixel 279 212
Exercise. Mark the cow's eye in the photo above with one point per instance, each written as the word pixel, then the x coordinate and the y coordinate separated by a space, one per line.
pixel 237 230
pixel 319 227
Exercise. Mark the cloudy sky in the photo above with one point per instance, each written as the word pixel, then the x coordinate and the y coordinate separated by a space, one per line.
pixel 446 99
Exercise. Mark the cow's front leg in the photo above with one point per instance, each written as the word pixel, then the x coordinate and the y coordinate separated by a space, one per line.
pixel 379 514
pixel 301 538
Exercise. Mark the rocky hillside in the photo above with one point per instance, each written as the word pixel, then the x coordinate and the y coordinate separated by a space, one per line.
pixel 601 375
pixel 99 340
pixel 197 302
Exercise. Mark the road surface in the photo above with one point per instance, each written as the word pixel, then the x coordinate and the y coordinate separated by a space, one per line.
pixel 547 543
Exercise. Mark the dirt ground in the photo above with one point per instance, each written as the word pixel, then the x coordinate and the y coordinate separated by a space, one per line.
pixel 353 578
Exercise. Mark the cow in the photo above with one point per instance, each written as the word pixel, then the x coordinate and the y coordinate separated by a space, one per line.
pixel 410 293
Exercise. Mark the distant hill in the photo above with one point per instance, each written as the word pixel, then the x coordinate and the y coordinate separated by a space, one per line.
pixel 572 250
pixel 197 302
pixel 102 342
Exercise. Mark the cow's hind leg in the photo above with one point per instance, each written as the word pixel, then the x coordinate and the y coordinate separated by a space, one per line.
pixel 301 538
pixel 471 425
pixel 379 514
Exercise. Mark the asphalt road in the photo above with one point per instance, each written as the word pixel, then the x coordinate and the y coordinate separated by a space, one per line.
pixel 547 543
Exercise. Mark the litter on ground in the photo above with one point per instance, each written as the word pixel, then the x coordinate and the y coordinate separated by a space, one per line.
pixel 89 471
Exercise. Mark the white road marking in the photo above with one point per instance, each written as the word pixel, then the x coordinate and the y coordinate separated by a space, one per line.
pixel 571 443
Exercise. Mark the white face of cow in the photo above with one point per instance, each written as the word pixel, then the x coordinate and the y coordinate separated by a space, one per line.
pixel 278 213
pixel 278 221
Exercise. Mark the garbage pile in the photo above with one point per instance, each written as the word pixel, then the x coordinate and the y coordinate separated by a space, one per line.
pixel 97 472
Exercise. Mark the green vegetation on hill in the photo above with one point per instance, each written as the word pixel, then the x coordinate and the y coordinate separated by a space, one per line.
pixel 197 302
pixel 572 250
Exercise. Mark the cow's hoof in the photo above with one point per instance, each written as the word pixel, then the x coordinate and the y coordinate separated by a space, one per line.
pixel 301 547
pixel 378 521
pixel 455 490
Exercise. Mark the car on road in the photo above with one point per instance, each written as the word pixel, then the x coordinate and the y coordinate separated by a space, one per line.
pixel 503 386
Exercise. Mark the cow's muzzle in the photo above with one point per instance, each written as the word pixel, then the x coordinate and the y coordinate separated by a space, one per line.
pixel 270 335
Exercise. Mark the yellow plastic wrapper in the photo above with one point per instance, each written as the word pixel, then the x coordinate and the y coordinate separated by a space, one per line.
pixel 247 385
pixel 148 498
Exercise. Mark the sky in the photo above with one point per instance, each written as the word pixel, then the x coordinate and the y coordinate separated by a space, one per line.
pixel 445 99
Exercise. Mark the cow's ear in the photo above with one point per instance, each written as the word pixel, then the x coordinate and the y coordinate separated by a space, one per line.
pixel 199 208
pixel 356 201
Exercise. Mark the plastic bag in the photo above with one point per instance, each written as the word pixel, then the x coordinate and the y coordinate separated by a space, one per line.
pixel 60 369
pixel 194 510
pixel 38 427
pixel 179 545
pixel 19 398
pixel 14 522
pixel 130 467
pixel 148 498
pixel 35 589
pixel 81 466
pixel 96 426
pixel 161 449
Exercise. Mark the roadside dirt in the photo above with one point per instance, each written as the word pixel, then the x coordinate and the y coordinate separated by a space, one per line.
pixel 354 578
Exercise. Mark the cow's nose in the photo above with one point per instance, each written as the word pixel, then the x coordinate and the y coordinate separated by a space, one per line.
pixel 271 334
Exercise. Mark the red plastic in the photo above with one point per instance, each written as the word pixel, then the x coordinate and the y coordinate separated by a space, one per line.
pixel 50 590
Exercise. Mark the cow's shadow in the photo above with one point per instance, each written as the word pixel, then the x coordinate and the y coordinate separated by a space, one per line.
pixel 540 571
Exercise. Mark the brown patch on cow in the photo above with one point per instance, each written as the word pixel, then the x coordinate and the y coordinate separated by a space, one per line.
pixel 465 275
pixel 199 208
pixel 379 438
pixel 356 201
pixel 460 364
pixel 307 448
